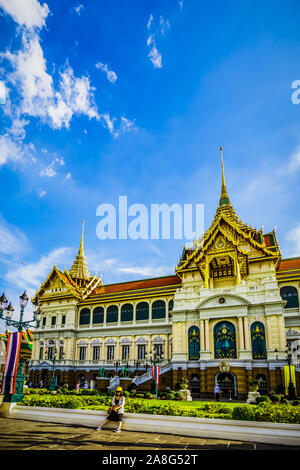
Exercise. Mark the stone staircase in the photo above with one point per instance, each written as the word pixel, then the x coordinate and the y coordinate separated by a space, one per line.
pixel 140 379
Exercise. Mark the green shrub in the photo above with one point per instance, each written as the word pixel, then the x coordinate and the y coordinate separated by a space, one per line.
pixel 243 413
pixel 284 401
pixel 148 395
pixel 263 399
pixel 296 403
pixel 178 394
pixel 275 398
pixel 170 396
pixel 126 394
pixel 139 395
pixel 278 414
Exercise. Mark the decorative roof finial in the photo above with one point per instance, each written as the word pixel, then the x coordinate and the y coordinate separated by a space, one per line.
pixel 224 199
pixel 81 252
pixel 79 269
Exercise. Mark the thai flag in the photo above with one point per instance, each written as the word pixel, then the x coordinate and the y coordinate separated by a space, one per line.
pixel 11 363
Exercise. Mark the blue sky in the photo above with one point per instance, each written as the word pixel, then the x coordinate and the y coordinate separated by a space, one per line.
pixel 113 97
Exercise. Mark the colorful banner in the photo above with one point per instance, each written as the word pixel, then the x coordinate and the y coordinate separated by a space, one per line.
pixel 11 363
pixel 287 378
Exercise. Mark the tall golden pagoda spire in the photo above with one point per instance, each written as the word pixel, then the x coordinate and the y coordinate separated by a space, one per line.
pixel 79 270
pixel 224 199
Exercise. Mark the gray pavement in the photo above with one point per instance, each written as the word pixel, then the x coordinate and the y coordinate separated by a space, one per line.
pixel 22 435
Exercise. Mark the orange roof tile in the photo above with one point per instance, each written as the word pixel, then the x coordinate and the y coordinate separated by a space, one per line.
pixel 135 285
pixel 291 263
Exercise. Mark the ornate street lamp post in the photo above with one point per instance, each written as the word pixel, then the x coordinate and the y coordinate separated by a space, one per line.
pixel 52 357
pixel 20 325
pixel 291 388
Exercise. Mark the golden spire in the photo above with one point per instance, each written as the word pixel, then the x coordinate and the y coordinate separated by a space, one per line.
pixel 81 252
pixel 224 199
pixel 79 270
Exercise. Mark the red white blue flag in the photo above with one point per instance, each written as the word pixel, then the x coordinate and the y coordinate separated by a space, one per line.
pixel 8 384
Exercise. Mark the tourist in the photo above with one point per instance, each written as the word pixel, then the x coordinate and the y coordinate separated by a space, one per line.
pixel 217 392
pixel 77 387
pixel 115 412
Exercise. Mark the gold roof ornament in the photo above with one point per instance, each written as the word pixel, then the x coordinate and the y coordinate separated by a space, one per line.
pixel 79 270
pixel 224 199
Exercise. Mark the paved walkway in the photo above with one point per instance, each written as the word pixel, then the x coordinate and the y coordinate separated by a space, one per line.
pixel 16 434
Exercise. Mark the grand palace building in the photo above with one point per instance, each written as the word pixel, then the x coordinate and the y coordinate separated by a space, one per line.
pixel 224 316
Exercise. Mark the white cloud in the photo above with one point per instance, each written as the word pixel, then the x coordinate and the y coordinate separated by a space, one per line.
pixel 180 3
pixel 49 171
pixel 126 124
pixel 154 55
pixel 110 74
pixel 294 161
pixel 164 25
pixel 78 9
pixel 29 13
pixel 146 271
pixel 42 193
pixel 12 240
pixel 68 176
pixel 3 92
pixel 31 275
pixel 293 236
pixel 150 21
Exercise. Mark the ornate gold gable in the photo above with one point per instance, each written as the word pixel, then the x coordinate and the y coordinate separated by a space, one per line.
pixel 228 246
pixel 77 282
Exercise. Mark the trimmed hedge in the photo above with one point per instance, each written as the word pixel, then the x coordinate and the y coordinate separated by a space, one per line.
pixel 265 412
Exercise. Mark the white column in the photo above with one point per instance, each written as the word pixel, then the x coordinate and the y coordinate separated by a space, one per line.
pixel 202 343
pixel 241 333
pixel 246 333
pixel 207 335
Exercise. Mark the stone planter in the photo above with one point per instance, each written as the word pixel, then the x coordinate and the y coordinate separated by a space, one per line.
pixel 252 396
pixel 186 394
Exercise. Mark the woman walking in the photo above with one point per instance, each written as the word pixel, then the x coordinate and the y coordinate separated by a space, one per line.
pixel 116 411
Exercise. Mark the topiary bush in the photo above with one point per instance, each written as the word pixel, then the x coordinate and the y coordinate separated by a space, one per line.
pixel 263 399
pixel 148 395
pixel 243 413
pixel 170 396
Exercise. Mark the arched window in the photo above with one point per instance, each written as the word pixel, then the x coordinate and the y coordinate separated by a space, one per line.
pixel 142 311
pixel 258 340
pixel 194 343
pixel 171 305
pixel 98 315
pixel 127 312
pixel 112 314
pixel 85 316
pixel 290 294
pixel 224 339
pixel 159 309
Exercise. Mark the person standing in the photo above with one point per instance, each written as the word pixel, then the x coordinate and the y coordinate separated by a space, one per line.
pixel 116 411
pixel 217 392
pixel 77 387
